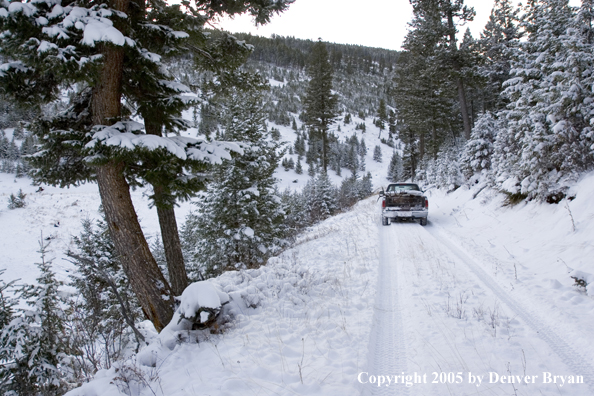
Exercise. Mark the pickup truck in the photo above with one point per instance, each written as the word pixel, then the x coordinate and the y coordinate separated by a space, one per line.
pixel 404 201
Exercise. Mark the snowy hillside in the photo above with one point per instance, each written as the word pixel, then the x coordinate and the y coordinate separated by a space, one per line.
pixel 484 291
pixel 484 288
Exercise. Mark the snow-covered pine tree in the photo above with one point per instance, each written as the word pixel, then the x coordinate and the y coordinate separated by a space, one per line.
pixel 395 169
pixel 299 167
pixel 366 188
pixel 498 42
pixel 322 198
pixel 7 302
pixel 35 345
pixel 546 143
pixel 476 156
pixel 311 170
pixel 112 50
pixel 444 171
pixel 103 313
pixel 377 154
pixel 239 220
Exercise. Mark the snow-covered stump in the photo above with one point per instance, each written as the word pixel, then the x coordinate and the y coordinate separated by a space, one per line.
pixel 200 304
pixel 198 308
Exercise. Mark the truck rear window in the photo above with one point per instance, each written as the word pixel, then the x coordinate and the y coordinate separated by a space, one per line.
pixel 403 187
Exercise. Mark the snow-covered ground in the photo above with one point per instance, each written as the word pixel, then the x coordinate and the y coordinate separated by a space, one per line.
pixel 483 291
pixel 478 302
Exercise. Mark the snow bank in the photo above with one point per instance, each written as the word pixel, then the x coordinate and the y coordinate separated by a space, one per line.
pixel 299 325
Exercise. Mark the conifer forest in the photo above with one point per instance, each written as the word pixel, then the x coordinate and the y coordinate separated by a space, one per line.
pixel 204 207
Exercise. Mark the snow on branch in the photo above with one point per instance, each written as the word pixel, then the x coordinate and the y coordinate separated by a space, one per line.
pixel 17 66
pixel 129 135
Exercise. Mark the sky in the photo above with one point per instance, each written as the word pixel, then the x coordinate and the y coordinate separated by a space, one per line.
pixel 372 23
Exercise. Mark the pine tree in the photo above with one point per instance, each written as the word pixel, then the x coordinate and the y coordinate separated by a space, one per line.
pixel 382 116
pixel 124 60
pixel 366 187
pixel 395 169
pixel 478 150
pixel 299 167
pixel 320 103
pixel 17 201
pixel 239 220
pixel 7 303
pixel 377 154
pixel 35 340
pixel 105 311
pixel 547 137
pixel 322 198
pixel 4 144
pixel 392 123
pixel 498 42
pixel 311 170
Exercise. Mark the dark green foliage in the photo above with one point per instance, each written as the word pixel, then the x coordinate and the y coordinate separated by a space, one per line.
pixel 498 40
pixel 293 53
pixel 288 163
pixel 392 123
pixel 377 154
pixel 396 169
pixel 275 133
pixel 352 190
pixel 320 196
pixel 7 302
pixel 104 311
pixel 320 103
pixel 299 167
pixel 35 342
pixel 382 115
pixel 319 200
pixel 17 201
pixel 239 221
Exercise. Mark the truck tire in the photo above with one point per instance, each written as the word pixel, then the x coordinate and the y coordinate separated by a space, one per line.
pixel 385 221
pixel 423 221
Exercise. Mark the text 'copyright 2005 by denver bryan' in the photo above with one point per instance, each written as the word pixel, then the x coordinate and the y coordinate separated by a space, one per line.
pixel 411 379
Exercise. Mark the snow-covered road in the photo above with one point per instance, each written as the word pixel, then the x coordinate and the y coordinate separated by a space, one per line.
pixel 446 326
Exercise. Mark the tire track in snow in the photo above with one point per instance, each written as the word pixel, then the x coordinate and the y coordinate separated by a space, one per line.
pixel 568 355
pixel 387 354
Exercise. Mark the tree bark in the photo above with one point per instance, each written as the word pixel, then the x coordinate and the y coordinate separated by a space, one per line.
pixel 145 277
pixel 421 145
pixel 173 252
pixel 325 150
pixel 178 276
pixel 459 81
pixel 147 281
pixel 464 108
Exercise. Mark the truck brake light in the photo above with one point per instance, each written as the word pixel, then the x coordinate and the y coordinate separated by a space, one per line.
pixel 427 203
pixel 383 203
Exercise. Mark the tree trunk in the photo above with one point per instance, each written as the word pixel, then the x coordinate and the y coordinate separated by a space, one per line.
pixel 421 145
pixel 325 150
pixel 147 281
pixel 178 277
pixel 173 252
pixel 464 108
pixel 435 146
pixel 456 68
pixel 144 275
